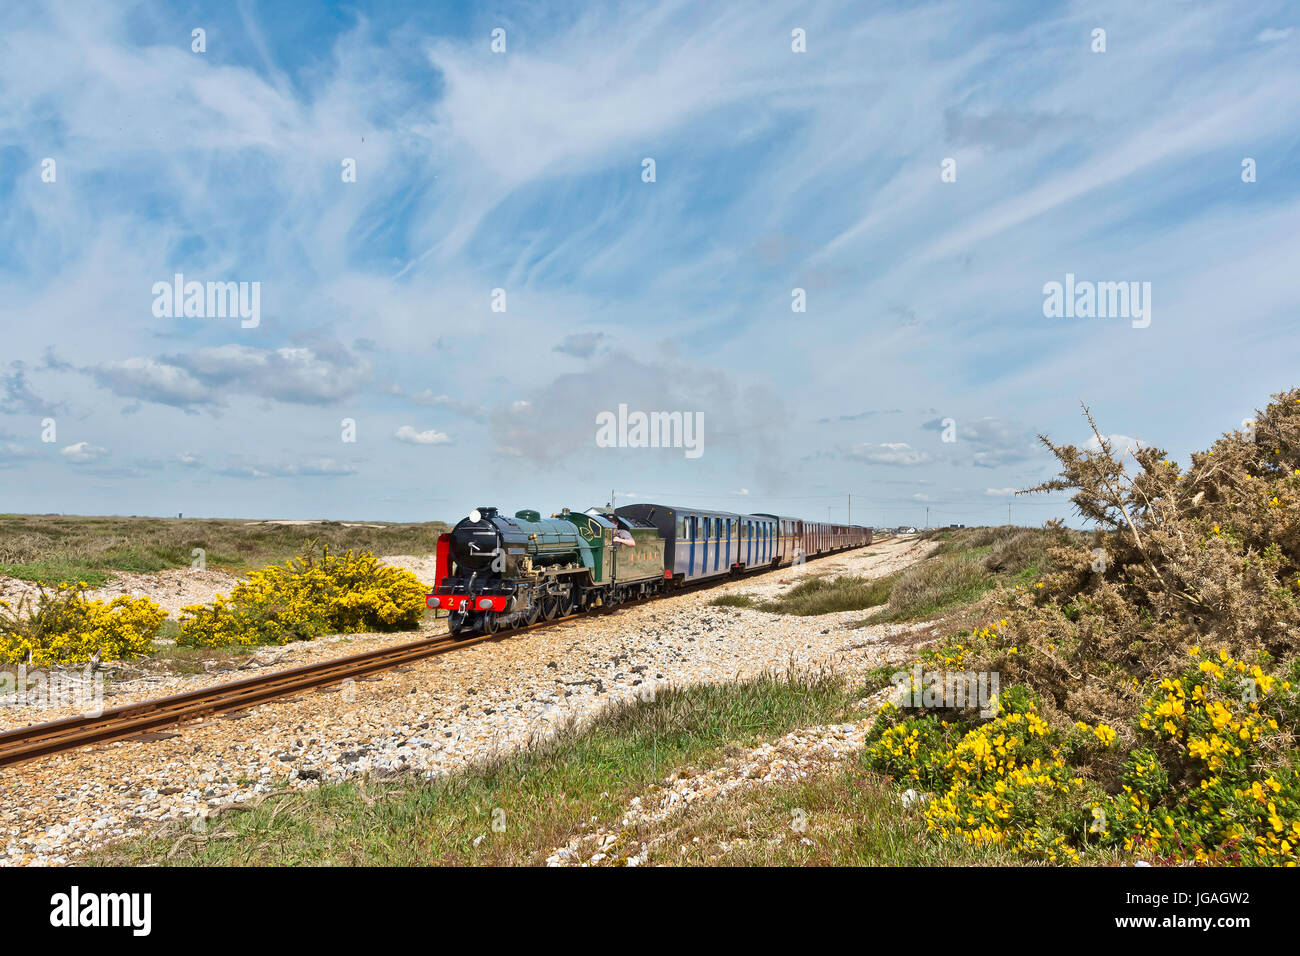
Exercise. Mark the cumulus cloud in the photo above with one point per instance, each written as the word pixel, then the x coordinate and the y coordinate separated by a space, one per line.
pixel 150 380
pixel 411 436
pixel 309 376
pixel 83 453
pixel 213 375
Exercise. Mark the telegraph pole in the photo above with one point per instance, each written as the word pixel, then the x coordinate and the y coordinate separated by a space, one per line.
pixel 927 516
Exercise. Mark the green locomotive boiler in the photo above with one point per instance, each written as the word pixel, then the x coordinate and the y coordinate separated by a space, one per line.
pixel 496 572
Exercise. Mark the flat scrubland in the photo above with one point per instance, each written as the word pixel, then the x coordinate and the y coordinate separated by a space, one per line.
pixel 53 548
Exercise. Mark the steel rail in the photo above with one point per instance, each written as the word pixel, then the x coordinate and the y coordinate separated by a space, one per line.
pixel 130 720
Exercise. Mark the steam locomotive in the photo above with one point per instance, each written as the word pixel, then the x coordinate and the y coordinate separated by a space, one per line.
pixel 496 572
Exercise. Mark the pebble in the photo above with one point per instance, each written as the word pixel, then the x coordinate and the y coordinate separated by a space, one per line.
pixel 443 713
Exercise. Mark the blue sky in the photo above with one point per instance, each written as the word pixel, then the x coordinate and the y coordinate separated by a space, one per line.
pixel 522 170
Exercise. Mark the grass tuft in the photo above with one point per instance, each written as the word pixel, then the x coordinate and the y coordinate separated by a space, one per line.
pixel 544 793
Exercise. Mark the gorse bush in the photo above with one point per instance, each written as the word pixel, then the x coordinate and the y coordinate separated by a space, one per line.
pixel 316 593
pixel 1174 634
pixel 62 627
pixel 1216 776
pixel 1209 773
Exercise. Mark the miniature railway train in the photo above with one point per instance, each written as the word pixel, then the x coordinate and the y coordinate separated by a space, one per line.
pixel 496 572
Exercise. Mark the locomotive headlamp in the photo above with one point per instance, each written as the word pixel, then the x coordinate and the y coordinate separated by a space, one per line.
pixel 475 516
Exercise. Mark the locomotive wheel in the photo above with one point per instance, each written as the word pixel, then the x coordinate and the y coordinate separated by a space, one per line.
pixel 534 613
pixel 458 623
pixel 491 622
pixel 551 607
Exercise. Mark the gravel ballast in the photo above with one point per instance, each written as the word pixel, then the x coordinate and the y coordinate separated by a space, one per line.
pixel 430 717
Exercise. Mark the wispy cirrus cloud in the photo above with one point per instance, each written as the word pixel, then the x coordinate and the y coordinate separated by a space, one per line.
pixel 523 172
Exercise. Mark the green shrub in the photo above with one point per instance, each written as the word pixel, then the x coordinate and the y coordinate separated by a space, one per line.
pixel 62 627
pixel 314 594
pixel 1163 749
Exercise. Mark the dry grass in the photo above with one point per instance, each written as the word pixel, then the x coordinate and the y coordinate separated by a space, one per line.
pixel 541 795
pixel 55 548
pixel 821 594
pixel 846 817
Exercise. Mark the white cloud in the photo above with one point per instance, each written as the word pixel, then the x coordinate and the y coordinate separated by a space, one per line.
pixel 821 156
pixel 1273 34
pixel 83 452
pixel 890 453
pixel 409 435
pixel 152 381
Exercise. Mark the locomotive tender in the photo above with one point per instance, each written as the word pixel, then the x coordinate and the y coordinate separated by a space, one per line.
pixel 496 572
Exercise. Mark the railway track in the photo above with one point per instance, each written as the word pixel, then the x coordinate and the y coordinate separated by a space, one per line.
pixel 133 720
